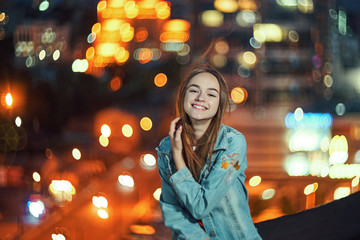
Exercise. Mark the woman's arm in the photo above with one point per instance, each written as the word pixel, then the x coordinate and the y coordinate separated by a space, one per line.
pixel 183 225
pixel 200 199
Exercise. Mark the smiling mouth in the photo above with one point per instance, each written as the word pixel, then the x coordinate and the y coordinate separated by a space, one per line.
pixel 198 107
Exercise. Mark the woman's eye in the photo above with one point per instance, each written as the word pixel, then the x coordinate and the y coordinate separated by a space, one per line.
pixel 193 91
pixel 211 95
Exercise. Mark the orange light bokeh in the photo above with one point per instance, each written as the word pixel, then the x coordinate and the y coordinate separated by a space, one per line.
pixel 160 80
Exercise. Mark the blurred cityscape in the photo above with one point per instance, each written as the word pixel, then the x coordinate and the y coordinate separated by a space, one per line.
pixel 88 90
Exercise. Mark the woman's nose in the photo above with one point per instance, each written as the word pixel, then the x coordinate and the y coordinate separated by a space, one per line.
pixel 199 97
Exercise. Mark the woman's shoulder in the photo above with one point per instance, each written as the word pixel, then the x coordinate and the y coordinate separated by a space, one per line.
pixel 231 131
pixel 164 145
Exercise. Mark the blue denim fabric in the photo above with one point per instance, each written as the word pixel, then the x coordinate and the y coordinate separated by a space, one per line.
pixel 219 199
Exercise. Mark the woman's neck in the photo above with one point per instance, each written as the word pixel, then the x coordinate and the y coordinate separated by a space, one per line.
pixel 200 128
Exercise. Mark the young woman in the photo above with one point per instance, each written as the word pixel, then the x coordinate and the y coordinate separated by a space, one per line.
pixel 201 165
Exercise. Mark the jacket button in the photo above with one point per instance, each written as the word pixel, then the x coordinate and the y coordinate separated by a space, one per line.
pixel 212 234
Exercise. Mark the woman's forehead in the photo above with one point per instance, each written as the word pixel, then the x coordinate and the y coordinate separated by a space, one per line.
pixel 204 80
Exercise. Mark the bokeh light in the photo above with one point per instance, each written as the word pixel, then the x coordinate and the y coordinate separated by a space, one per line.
pixel 157 194
pixel 212 18
pixel 126 180
pixel 104 141
pixel 298 114
pixel 146 123
pixel 239 95
pixel 160 79
pixel 311 188
pixel 268 194
pixel 36 208
pixel 58 236
pixel 115 84
pixel 227 6
pixel 9 100
pixel 100 201
pixel 341 192
pixel 255 181
pixel 148 160
pixel 36 176
pixel 18 121
pixel 105 130
pixel 127 130
pixel 76 153
pixel 103 214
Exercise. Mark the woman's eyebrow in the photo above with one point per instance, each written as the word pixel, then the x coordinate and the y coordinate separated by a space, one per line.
pixel 197 86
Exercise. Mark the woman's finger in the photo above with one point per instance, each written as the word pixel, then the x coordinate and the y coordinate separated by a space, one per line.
pixel 173 127
pixel 178 134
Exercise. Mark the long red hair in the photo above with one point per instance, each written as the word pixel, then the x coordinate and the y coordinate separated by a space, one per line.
pixel 195 160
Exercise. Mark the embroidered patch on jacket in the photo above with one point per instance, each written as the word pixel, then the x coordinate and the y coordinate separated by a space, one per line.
pixel 230 159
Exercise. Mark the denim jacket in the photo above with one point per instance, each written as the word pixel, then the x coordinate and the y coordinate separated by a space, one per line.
pixel 219 199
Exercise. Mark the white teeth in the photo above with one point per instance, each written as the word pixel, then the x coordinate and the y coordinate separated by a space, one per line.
pixel 199 107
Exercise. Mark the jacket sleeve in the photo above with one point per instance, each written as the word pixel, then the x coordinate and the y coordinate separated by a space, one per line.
pixel 176 217
pixel 200 199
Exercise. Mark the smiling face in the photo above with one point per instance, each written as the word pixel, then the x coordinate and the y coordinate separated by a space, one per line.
pixel 202 97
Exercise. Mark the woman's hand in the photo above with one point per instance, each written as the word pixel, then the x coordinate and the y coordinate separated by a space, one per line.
pixel 176 144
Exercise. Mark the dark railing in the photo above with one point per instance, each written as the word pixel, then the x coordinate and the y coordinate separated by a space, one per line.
pixel 337 220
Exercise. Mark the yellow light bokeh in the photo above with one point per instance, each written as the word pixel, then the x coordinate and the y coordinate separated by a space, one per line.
pixel 212 18
pixel 146 123
pixel 101 6
pixel 176 25
pixel 121 55
pixel 2 16
pixel 96 28
pixel 163 11
pixel 355 182
pixel 36 177
pixel 76 153
pixel 249 58
pixel 104 141
pixel 127 130
pixel 90 52
pixel 112 25
pixel 255 181
pixel 131 10
pixel 310 188
pixel 160 79
pixel 142 229
pixel 338 144
pixel 9 100
pixel 157 194
pixel 106 49
pixel 227 6
pixel 247 5
pixel 239 95
pixel 268 32
pixel 341 192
